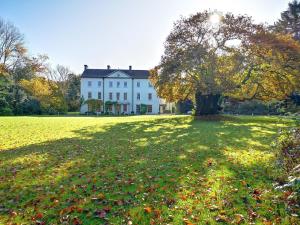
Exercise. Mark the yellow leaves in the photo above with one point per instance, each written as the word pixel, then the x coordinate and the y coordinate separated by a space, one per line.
pixel 239 218
pixel 101 196
pixel 45 91
pixel 187 222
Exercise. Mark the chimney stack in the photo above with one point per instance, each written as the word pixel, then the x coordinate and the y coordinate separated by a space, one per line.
pixel 108 67
pixel 86 67
pixel 130 67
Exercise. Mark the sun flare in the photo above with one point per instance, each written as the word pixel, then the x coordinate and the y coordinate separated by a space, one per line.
pixel 215 18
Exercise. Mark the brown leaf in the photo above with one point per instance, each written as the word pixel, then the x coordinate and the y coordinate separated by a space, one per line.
pixel 39 216
pixel 148 210
pixel 77 221
pixel 157 213
pixel 239 218
pixel 222 218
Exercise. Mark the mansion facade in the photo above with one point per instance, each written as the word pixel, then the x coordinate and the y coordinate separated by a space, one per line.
pixel 130 89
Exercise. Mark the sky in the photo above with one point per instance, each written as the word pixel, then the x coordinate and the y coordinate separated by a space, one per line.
pixel 114 32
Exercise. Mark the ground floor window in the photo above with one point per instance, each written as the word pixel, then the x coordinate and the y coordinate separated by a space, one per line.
pixel 138 109
pixel 125 108
pixel 109 108
pixel 149 108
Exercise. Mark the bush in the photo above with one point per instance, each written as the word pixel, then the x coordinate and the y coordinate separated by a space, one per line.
pixel 29 107
pixel 6 111
pixel 288 167
pixel 143 109
pixel 288 149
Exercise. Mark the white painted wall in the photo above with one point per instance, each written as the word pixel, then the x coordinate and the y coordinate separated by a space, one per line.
pixel 144 90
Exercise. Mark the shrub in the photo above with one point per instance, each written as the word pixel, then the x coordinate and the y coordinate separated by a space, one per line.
pixel 6 111
pixel 288 167
pixel 288 149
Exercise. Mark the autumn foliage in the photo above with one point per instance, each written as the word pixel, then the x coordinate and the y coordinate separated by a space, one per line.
pixel 235 58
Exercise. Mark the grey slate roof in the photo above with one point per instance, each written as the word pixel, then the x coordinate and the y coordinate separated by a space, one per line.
pixel 102 73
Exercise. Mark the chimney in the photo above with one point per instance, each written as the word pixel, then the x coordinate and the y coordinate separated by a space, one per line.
pixel 108 67
pixel 130 67
pixel 86 67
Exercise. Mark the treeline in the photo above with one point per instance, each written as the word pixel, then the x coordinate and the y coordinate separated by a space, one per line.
pixel 28 84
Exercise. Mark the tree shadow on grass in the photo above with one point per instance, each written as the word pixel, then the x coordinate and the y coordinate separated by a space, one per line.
pixel 160 170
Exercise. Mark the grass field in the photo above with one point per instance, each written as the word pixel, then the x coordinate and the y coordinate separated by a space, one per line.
pixel 139 170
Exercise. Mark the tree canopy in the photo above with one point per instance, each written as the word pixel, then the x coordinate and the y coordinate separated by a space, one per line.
pixel 231 57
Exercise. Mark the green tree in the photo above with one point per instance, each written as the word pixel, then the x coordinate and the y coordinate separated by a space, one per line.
pixel 289 23
pixel 73 92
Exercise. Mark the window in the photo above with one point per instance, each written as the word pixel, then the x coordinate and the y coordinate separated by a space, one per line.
pixel 149 108
pixel 99 95
pixel 125 96
pixel 138 96
pixel 118 96
pixel 138 109
pixel 149 96
pixel 125 108
pixel 89 94
pixel 109 108
pixel 125 84
pixel 110 95
pixel 99 83
pixel 118 84
pixel 149 84
pixel 138 84
pixel 110 83
pixel 90 83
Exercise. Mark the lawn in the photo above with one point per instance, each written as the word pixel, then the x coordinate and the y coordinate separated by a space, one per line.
pixel 139 170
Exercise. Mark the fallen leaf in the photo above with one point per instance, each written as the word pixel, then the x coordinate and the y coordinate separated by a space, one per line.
pixel 148 210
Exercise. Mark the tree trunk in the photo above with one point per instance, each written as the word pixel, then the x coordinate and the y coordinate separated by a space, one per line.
pixel 207 104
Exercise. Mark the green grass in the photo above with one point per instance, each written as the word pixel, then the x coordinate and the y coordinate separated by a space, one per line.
pixel 143 169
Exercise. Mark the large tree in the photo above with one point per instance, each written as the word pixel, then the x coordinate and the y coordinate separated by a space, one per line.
pixel 47 93
pixel 209 54
pixel 11 44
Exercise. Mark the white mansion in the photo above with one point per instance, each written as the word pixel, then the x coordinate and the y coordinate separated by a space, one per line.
pixel 130 89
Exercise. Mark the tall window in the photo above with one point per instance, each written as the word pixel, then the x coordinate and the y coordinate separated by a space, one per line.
pixel 99 95
pixel 99 83
pixel 149 108
pixel 125 108
pixel 138 84
pixel 89 94
pixel 149 84
pixel 138 109
pixel 125 96
pixel 125 84
pixel 89 83
pixel 110 95
pixel 149 96
pixel 118 96
pixel 118 84
pixel 138 96
pixel 110 83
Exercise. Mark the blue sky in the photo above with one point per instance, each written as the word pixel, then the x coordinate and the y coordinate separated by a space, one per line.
pixel 115 32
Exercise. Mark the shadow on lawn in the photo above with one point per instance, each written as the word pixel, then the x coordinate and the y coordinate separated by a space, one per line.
pixel 176 168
